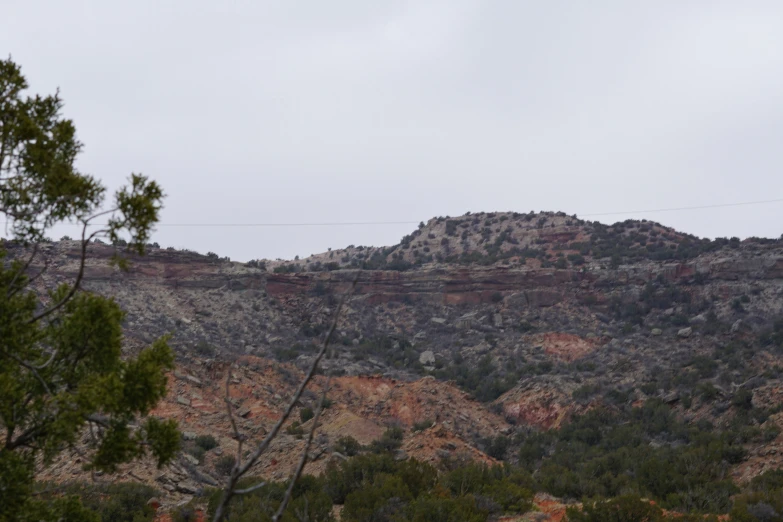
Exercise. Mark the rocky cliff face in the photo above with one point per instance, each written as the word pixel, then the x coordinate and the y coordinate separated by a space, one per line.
pixel 484 325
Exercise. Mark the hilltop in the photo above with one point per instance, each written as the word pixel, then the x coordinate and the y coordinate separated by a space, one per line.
pixel 482 328
pixel 513 239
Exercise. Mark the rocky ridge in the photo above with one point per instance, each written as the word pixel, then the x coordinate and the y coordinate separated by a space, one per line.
pixel 514 322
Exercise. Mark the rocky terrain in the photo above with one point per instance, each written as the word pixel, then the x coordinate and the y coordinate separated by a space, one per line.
pixel 469 328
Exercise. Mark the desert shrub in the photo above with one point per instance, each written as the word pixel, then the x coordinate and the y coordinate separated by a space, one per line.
pixel 196 451
pixel 206 442
pixel 308 502
pixel 389 441
pixel 121 502
pixel 305 414
pixel 742 399
pixel 585 392
pixel 380 500
pixel 295 429
pixel 224 464
pixel 204 349
pixel 439 509
pixel 497 447
pixel 422 425
pixel 508 489
pixel 620 509
pixel 484 379
pixel 607 452
pixel 347 446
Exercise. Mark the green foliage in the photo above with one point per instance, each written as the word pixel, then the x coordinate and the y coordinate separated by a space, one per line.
pixel 377 488
pixel 485 380
pixel 120 502
pixel 225 464
pixel 389 441
pixel 397 353
pixel 206 442
pixel 290 268
pixel 627 508
pixel 309 502
pixel 343 479
pixel 371 502
pixel 742 399
pixel 497 447
pixel 196 451
pixel 347 446
pixel 296 429
pixel 305 414
pixel 422 425
pixel 204 349
pixel 440 509
pixel 61 353
pixel 509 489
pixel 608 453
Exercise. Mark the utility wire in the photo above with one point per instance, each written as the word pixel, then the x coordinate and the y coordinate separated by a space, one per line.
pixel 375 223
pixel 334 224
pixel 719 205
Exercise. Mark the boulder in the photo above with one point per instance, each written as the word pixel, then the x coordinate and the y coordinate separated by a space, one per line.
pixel 191 459
pixel 497 320
pixel 685 332
pixel 427 358
pixel 698 319
pixel 187 488
pixel 466 321
pixel 740 326
pixel 656 332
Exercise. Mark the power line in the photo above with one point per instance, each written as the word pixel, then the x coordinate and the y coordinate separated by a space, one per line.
pixel 719 205
pixel 334 224
pixel 381 223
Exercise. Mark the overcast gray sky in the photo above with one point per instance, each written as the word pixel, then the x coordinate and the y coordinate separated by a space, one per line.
pixel 331 111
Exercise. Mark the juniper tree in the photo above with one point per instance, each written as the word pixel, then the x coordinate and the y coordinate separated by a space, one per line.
pixel 63 375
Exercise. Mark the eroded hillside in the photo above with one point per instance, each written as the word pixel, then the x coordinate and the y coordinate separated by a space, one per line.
pixel 480 326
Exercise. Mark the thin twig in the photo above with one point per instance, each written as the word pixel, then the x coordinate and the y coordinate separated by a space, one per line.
pixel 82 261
pixel 240 470
pixel 240 438
pixel 303 460
pixel 11 290
pixel 250 489
pixel 228 406
pixel 34 278
pixel 31 368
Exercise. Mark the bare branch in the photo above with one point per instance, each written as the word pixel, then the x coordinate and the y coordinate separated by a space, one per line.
pixel 34 278
pixel 31 368
pixel 13 291
pixel 82 261
pixel 240 470
pixel 303 459
pixel 237 435
pixel 240 438
pixel 250 489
